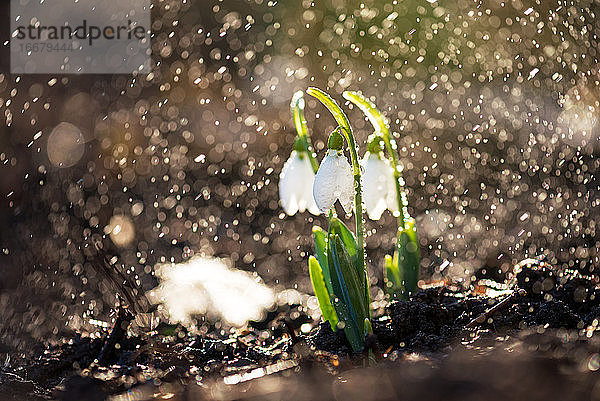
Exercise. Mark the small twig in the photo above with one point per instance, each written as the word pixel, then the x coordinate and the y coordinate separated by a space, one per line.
pixel 126 287
pixel 117 333
pixel 482 317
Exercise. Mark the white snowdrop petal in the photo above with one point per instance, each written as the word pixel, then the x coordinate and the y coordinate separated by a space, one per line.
pixel 325 184
pixel 345 184
pixel 291 207
pixel 375 205
pixel 334 181
pixel 347 203
pixel 304 185
pixel 307 188
pixel 312 207
pixel 392 199
pixel 375 185
pixel 288 191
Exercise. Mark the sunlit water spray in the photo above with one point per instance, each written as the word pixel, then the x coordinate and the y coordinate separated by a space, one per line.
pixel 207 286
pixel 494 106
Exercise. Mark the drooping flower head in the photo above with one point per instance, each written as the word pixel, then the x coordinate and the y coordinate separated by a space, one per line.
pixel 334 180
pixel 379 187
pixel 296 182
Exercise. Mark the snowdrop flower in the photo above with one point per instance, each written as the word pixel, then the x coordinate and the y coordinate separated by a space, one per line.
pixel 379 187
pixel 295 184
pixel 334 178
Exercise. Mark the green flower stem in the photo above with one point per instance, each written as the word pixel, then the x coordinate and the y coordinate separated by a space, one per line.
pixel 380 124
pixel 297 106
pixel 343 122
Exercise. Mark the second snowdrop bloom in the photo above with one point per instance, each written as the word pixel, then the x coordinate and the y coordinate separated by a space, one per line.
pixel 296 183
pixel 379 183
pixel 379 188
pixel 334 180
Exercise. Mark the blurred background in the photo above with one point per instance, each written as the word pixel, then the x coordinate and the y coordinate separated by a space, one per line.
pixel 494 105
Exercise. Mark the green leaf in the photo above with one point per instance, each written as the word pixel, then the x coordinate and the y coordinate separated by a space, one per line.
pixel 408 258
pixel 297 107
pixel 354 281
pixel 318 283
pixel 334 108
pixel 368 327
pixel 320 237
pixel 348 289
pixel 351 331
pixel 402 271
pixel 340 289
pixel 393 284
pixel 341 297
pixel 377 119
pixel 168 330
pixel 336 226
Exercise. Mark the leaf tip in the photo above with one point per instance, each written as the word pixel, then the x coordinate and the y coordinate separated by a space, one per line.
pixel 317 229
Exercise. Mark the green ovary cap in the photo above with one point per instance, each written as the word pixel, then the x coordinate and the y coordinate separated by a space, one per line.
pixel 299 145
pixel 335 141
pixel 374 146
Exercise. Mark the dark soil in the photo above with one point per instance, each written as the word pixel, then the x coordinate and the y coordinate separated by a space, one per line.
pixel 436 318
pixel 535 340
